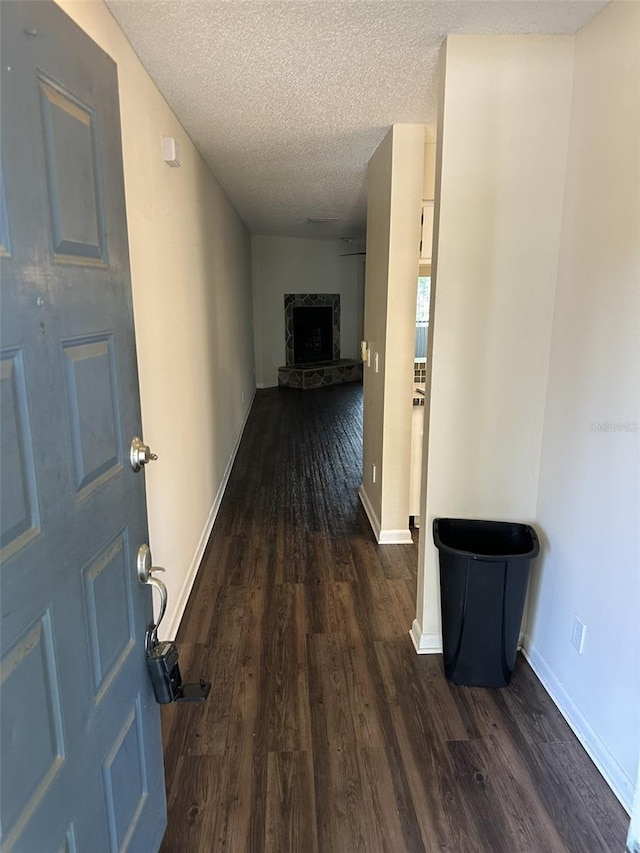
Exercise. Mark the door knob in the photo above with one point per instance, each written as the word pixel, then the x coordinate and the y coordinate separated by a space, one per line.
pixel 140 453
pixel 145 575
pixel 143 564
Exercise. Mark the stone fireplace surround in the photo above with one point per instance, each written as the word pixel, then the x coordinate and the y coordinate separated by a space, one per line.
pixel 317 374
pixel 310 300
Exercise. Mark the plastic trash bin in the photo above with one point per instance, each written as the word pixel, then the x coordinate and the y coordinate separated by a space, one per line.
pixel 484 571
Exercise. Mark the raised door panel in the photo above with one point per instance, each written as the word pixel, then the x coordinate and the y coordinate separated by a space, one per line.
pixel 94 422
pixel 125 781
pixel 109 612
pixel 30 725
pixel 73 176
pixel 19 510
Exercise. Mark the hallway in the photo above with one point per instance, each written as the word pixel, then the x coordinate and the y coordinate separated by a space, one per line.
pixel 324 731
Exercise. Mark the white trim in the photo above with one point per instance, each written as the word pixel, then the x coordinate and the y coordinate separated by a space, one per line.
pixel 633 838
pixel 395 537
pixel 383 537
pixel 183 597
pixel 371 515
pixel 425 644
pixel 621 785
pixel 262 385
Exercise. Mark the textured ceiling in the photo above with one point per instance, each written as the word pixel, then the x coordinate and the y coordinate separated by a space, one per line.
pixel 287 101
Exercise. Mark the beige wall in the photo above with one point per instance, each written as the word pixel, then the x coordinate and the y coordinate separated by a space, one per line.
pixel 295 265
pixel 503 132
pixel 589 500
pixel 429 174
pixel 394 194
pixel 375 321
pixel 191 278
pixel 535 341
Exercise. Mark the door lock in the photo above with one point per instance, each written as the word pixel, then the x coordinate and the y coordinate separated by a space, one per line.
pixel 140 453
pixel 162 655
pixel 143 565
pixel 145 575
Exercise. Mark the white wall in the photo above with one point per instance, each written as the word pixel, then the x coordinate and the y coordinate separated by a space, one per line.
pixel 503 135
pixel 588 506
pixel 394 195
pixel 191 279
pixel 296 265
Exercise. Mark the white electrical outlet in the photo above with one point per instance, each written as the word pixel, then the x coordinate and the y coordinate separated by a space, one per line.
pixel 373 473
pixel 375 362
pixel 578 634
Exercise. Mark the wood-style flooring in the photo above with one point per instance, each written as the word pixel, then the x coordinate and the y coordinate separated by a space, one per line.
pixel 324 731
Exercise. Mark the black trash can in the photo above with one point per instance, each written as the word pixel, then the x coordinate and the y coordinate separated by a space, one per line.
pixel 484 571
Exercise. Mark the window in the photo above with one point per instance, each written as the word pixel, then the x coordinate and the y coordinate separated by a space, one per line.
pixel 422 315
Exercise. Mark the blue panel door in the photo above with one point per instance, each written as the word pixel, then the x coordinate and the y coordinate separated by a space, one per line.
pixel 81 761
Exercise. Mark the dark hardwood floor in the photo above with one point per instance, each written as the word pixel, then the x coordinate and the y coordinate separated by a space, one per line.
pixel 324 731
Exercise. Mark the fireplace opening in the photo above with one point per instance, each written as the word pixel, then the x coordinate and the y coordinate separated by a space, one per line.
pixel 312 334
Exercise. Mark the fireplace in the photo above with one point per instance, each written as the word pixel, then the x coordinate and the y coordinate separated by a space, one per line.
pixel 312 343
pixel 312 334
pixel 312 327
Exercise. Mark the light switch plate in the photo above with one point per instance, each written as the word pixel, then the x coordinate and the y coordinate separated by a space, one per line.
pixel 171 151
pixel 578 634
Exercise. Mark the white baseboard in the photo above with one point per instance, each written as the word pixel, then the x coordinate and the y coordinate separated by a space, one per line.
pixel 383 537
pixel 374 521
pixel 431 644
pixel 395 537
pixel 621 785
pixel 633 838
pixel 425 644
pixel 194 565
